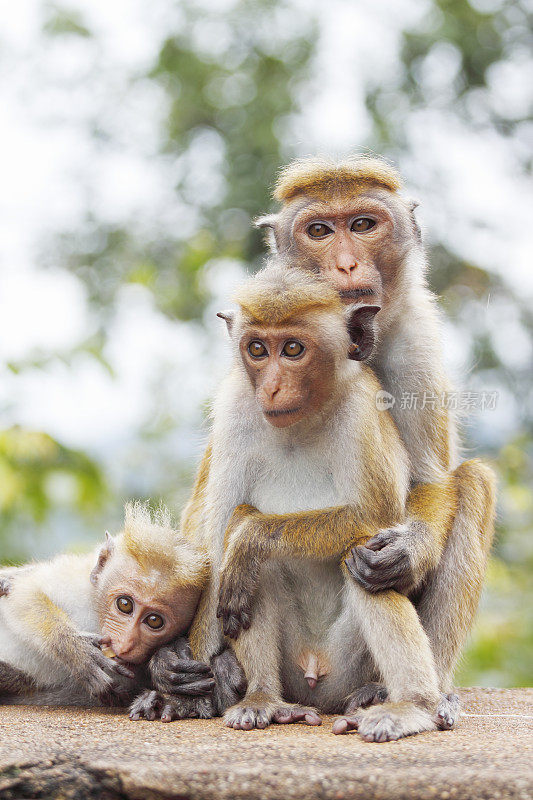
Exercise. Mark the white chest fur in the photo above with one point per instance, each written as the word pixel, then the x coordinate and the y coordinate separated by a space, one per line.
pixel 294 478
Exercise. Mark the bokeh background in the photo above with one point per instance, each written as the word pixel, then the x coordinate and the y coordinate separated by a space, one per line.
pixel 138 140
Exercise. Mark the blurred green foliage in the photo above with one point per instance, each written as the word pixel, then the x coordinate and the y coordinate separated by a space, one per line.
pixel 230 99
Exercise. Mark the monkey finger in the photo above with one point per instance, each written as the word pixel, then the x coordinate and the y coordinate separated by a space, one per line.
pixel 345 724
pixel 374 577
pixel 178 680
pixel 167 715
pixel 183 667
pixel 381 540
pixel 195 689
pixel 369 556
pixel 358 578
pixel 232 626
pixel 380 559
pixel 182 649
pixel 246 620
pixel 120 668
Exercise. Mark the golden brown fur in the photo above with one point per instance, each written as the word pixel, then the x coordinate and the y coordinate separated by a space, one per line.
pixel 451 508
pixel 150 538
pixel 329 177
pixel 276 301
pixel 265 491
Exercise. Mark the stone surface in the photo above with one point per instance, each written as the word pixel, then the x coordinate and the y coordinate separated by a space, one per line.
pixel 77 753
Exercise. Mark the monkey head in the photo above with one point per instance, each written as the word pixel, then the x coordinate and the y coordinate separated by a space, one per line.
pixel 293 336
pixel 347 222
pixel 148 581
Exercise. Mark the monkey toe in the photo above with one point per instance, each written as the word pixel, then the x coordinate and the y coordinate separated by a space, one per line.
pixel 146 706
pixel 389 722
pixel 245 719
pixel 345 725
pixel 287 715
pixel 448 712
pixel 386 730
pixel 246 716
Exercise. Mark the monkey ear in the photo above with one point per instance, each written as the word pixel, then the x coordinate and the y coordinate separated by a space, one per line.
pixel 268 221
pixel 105 551
pixel 361 328
pixel 228 317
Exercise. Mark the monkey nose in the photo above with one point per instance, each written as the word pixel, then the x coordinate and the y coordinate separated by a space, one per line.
pixel 123 648
pixel 270 391
pixel 347 268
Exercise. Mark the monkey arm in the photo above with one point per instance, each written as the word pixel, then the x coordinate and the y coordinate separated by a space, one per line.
pixel 48 629
pixel 322 533
pixel 252 538
pixel 400 557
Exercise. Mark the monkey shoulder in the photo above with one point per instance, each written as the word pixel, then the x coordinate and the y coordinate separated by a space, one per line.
pixel 64 582
pixel 380 447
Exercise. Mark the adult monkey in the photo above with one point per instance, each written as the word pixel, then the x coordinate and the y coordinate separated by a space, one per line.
pixel 348 222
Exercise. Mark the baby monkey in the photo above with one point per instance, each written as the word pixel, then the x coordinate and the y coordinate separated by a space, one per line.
pixel 83 629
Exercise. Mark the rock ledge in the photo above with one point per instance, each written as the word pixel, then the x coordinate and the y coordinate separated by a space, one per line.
pixel 78 754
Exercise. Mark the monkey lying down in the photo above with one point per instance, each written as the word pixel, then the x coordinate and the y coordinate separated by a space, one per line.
pixel 82 629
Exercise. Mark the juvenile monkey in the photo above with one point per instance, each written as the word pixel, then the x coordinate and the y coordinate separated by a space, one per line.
pixel 81 629
pixel 348 222
pixel 295 428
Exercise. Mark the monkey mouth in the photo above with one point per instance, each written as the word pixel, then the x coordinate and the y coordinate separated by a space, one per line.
pixel 354 294
pixel 278 412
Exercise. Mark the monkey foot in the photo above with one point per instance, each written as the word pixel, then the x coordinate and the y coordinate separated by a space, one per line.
pixel 260 711
pixel 368 695
pixel 384 723
pixel 448 712
pixel 152 705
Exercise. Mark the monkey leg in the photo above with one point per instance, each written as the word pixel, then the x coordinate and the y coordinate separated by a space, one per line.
pixel 401 652
pixel 449 600
pixel 258 651
pixel 14 682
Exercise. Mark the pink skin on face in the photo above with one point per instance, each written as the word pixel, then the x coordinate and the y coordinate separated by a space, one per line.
pixel 291 375
pixel 135 623
pixel 347 239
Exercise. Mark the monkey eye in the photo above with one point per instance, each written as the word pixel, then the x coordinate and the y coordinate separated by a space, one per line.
pixel 154 621
pixel 317 230
pixel 257 349
pixel 124 604
pixel 362 224
pixel 292 349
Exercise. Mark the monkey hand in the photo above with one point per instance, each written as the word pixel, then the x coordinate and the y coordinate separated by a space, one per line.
pixel 235 599
pixel 151 705
pixel 174 671
pixel 103 677
pixel 230 680
pixel 246 550
pixel 387 561
pixel 5 587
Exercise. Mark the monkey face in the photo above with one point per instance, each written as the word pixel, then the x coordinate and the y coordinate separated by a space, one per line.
pixel 357 241
pixel 291 373
pixel 137 614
